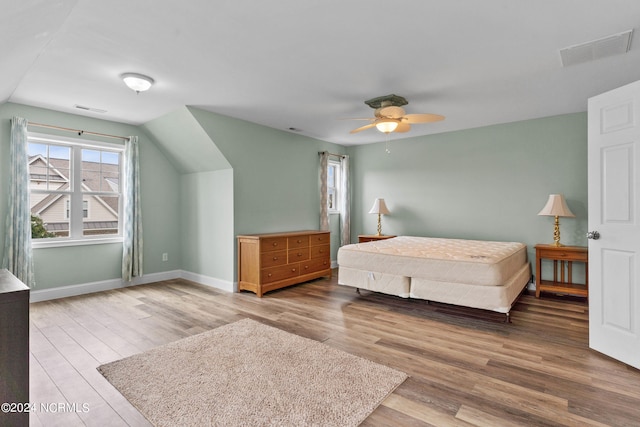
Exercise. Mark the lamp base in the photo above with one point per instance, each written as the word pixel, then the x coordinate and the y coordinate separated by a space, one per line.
pixel 379 226
pixel 556 233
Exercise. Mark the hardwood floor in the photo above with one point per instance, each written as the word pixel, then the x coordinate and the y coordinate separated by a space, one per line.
pixel 466 367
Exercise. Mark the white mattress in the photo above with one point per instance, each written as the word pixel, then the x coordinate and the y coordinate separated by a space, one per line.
pixel 471 262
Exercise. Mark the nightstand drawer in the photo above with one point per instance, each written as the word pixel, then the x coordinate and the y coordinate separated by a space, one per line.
pixel 364 238
pixel 560 254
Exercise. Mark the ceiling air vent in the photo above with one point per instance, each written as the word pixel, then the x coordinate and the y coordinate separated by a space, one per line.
pixel 94 110
pixel 607 46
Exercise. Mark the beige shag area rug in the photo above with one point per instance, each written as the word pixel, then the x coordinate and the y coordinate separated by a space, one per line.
pixel 249 374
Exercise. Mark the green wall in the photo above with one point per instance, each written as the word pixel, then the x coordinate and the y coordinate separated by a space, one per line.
pixel 207 224
pixel 276 177
pixel 160 183
pixel 276 182
pixel 486 183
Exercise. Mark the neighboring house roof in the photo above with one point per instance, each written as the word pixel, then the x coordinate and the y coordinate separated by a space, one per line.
pixel 96 177
pixel 86 225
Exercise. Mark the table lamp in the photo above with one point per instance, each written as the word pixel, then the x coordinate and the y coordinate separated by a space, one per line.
pixel 556 206
pixel 380 208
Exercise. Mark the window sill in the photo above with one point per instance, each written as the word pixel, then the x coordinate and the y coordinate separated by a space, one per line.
pixel 39 244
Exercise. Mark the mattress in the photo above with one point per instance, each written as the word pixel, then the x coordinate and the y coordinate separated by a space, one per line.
pixel 495 298
pixel 472 262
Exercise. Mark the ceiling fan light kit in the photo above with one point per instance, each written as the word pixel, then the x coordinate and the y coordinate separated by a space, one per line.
pixel 387 126
pixel 389 116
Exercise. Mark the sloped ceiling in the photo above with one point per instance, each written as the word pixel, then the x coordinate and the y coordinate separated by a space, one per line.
pixel 188 147
pixel 309 64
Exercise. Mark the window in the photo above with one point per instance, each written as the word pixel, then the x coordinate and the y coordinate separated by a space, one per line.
pixel 333 185
pixel 75 189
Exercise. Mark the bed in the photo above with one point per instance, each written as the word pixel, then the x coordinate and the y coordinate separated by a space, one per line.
pixel 472 273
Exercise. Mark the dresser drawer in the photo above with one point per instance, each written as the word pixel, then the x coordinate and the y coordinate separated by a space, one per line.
pixel 320 239
pixel 314 265
pixel 273 258
pixel 273 244
pixel 322 251
pixel 297 255
pixel 298 242
pixel 273 274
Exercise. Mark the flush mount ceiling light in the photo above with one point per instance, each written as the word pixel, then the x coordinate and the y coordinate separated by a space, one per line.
pixel 137 82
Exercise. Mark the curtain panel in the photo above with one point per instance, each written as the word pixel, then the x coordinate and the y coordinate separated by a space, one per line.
pixel 132 244
pixel 345 202
pixel 18 256
pixel 324 205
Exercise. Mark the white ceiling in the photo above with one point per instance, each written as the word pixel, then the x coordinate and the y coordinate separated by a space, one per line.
pixel 307 64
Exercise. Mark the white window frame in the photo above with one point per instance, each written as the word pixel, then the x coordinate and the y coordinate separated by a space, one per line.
pixel 76 236
pixel 336 165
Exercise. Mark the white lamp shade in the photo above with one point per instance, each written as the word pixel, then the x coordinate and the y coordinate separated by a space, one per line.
pixel 379 207
pixel 387 126
pixel 556 206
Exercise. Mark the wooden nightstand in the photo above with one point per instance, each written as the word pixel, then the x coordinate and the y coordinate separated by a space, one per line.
pixel 363 238
pixel 564 254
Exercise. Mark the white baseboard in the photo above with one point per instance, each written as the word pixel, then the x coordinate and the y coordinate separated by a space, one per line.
pixel 37 295
pixel 224 285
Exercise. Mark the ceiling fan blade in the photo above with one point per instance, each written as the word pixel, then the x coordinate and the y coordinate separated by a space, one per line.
pixel 422 118
pixel 403 127
pixel 369 126
pixel 357 118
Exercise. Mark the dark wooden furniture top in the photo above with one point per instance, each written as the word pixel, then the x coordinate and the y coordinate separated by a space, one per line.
pixel 14 349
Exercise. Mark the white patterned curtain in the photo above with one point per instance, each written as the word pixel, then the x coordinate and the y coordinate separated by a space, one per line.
pixel 18 257
pixel 345 202
pixel 324 205
pixel 132 216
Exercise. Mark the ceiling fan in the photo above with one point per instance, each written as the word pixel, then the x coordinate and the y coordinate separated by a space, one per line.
pixel 391 117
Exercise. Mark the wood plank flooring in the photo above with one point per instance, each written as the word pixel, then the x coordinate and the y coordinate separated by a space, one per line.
pixel 466 366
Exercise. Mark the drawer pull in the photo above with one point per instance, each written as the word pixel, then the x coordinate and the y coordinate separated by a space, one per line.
pixel 275 258
pixel 275 243
pixel 306 267
pixel 320 251
pixel 269 274
pixel 293 270
pixel 299 241
pixel 299 254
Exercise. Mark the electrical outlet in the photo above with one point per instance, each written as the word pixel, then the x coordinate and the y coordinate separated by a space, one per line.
pixel 165 257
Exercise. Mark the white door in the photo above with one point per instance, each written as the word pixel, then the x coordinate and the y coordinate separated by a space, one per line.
pixel 614 213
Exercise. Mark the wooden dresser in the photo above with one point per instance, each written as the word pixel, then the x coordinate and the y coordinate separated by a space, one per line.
pixel 273 261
